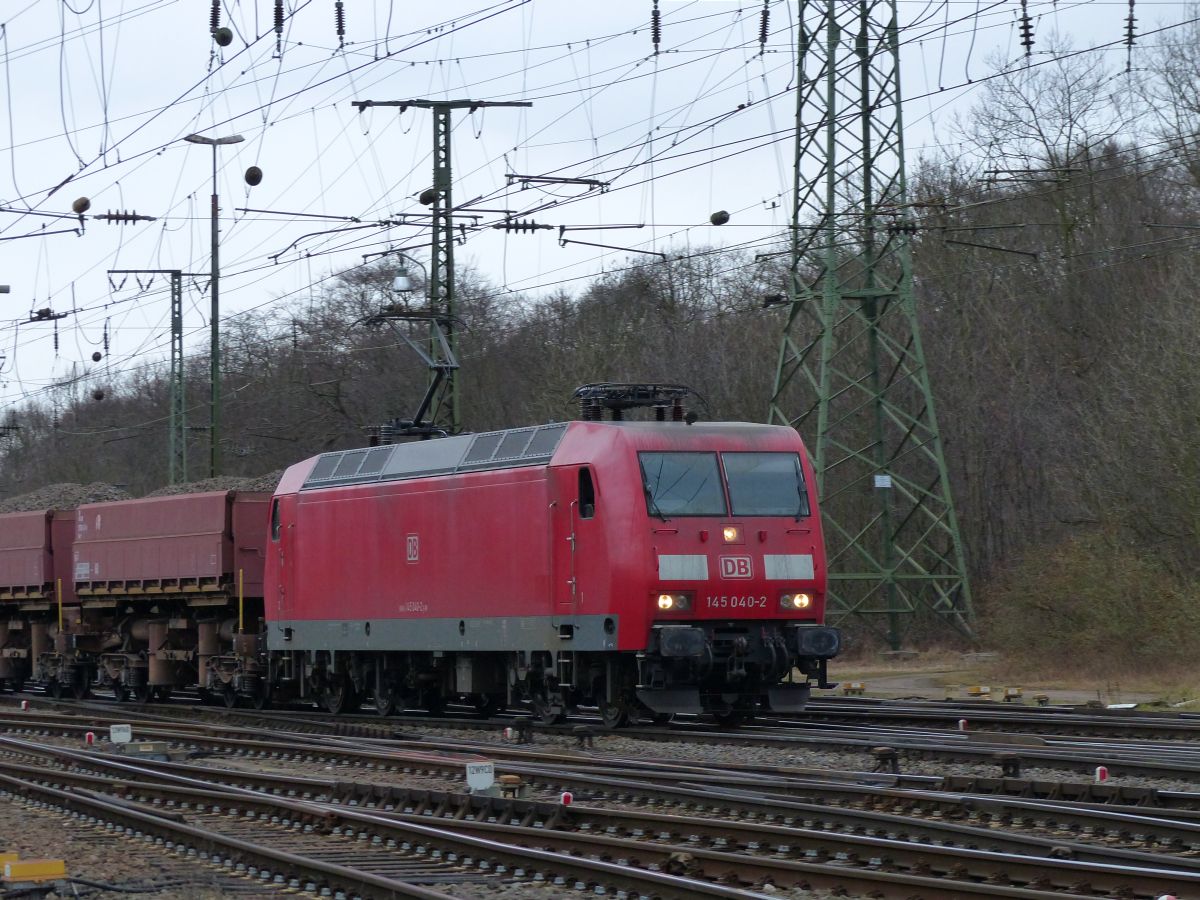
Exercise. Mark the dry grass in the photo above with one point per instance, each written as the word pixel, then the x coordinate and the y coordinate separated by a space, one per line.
pixel 928 672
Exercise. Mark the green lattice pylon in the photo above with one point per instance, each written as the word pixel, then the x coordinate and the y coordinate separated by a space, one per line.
pixel 851 373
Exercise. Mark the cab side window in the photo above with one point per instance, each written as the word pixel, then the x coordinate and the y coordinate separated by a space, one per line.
pixel 587 494
pixel 275 519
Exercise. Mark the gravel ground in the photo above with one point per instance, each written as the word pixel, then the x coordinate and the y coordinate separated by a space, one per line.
pixel 98 856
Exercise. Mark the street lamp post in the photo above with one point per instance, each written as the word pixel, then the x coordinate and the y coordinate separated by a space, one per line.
pixel 214 419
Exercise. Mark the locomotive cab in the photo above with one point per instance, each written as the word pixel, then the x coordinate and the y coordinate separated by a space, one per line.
pixel 741 579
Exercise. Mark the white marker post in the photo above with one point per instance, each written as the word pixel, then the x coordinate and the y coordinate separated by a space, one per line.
pixel 480 776
pixel 120 734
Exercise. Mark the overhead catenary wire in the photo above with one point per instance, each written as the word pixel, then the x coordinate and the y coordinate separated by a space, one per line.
pixel 593 165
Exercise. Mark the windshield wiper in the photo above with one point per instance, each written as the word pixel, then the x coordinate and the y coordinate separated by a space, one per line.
pixel 650 504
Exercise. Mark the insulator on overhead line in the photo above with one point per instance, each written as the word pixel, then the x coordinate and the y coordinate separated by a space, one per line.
pixel 1026 29
pixel 764 26
pixel 655 26
pixel 214 21
pixel 339 16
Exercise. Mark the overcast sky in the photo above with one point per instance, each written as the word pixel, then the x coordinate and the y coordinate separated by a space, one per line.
pixel 99 94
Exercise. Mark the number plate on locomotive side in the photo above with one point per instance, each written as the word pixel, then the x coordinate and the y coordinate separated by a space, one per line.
pixel 735 602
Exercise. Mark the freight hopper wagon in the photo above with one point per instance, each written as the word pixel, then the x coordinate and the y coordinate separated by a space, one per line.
pixel 645 568
pixel 158 593
pixel 35 585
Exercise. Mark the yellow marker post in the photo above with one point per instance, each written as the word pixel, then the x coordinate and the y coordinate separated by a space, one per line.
pixel 241 602
pixel 59 583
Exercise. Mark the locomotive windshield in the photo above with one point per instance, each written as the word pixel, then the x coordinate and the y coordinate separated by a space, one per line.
pixel 689 484
pixel 682 484
pixel 765 484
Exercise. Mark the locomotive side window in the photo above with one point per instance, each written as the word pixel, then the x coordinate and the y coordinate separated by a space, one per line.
pixel 275 519
pixel 682 484
pixel 766 484
pixel 587 494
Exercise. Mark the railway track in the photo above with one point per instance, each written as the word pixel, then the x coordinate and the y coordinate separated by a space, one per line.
pixel 566 845
pixel 680 818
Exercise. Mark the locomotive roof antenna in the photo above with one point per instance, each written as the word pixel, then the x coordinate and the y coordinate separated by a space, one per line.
pixel 851 371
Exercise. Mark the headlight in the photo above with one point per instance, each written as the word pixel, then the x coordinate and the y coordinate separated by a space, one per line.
pixel 677 602
pixel 731 534
pixel 795 601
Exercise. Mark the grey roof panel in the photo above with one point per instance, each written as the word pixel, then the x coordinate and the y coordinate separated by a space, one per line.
pixel 443 456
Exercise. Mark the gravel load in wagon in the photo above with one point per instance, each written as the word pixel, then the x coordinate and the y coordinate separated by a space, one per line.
pixel 222 483
pixel 63 496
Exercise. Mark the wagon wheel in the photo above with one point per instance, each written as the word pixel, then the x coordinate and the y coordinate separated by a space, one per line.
pixel 339 697
pixel 120 692
pixel 230 696
pixel 205 695
pixel 385 702
pixel 143 693
pixel 80 689
pixel 614 714
pixel 546 712
pixel 162 693
pixel 487 705
pixel 54 688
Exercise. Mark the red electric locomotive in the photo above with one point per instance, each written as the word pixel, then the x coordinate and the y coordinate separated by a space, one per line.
pixel 641 567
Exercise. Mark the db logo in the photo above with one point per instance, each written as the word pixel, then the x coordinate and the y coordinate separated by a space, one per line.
pixel 414 548
pixel 736 567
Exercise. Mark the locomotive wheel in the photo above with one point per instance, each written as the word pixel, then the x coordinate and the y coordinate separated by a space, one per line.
pixel 261 698
pixel 143 693
pixel 120 692
pixel 385 702
pixel 230 696
pixel 339 697
pixel 435 703
pixel 54 688
pixel 162 693
pixel 615 714
pixel 205 695
pixel 80 689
